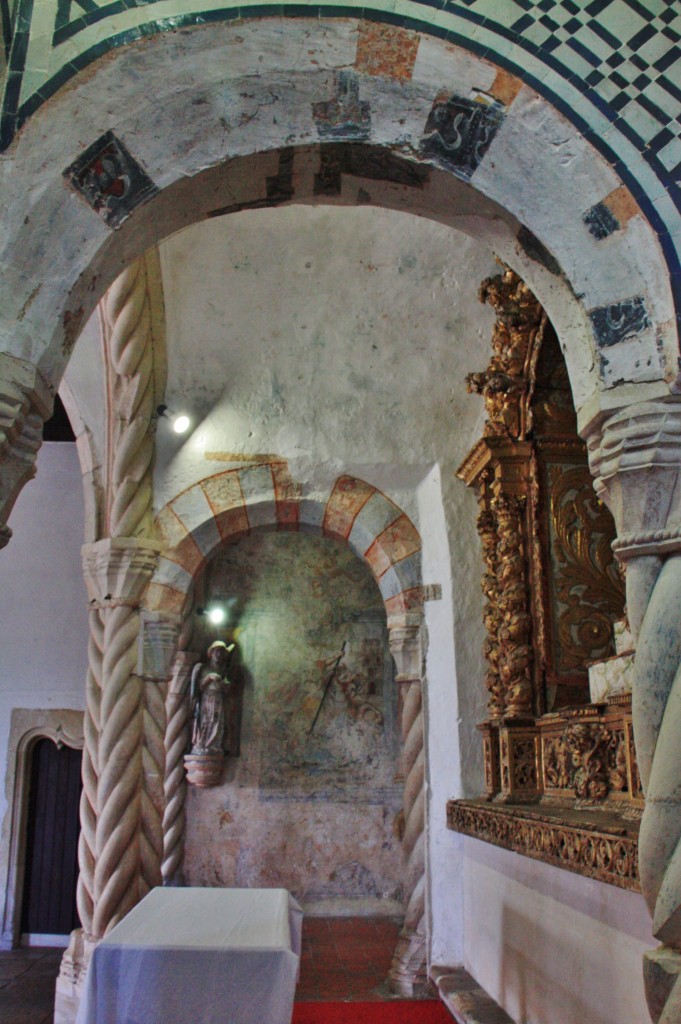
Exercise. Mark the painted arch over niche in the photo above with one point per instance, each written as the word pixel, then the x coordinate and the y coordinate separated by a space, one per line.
pixel 230 505
pixel 178 120
pixel 227 506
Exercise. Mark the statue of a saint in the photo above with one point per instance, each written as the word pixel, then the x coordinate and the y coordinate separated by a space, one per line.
pixel 211 702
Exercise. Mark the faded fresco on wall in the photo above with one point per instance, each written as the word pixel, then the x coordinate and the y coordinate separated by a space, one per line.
pixel 312 802
pixel 310 628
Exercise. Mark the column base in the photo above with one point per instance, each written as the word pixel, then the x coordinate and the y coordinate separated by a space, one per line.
pixel 72 977
pixel 408 976
pixel 662 980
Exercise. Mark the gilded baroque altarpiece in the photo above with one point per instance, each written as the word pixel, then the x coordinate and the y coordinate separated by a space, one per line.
pixel 560 772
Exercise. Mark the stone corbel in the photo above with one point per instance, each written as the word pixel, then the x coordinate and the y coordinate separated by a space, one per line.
pixel 25 403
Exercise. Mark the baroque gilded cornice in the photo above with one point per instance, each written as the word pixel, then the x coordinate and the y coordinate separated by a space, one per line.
pixel 606 852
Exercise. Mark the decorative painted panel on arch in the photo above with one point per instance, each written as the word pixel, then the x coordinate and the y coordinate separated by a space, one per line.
pixel 610 66
pixel 264 496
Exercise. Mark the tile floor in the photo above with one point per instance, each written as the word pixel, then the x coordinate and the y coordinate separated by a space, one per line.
pixel 343 958
pixel 346 958
pixel 27 979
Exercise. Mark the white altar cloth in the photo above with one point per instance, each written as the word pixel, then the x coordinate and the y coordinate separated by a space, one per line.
pixel 198 956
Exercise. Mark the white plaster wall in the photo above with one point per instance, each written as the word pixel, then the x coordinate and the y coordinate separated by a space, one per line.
pixel 339 340
pixel 544 941
pixel 449 687
pixel 335 338
pixel 43 603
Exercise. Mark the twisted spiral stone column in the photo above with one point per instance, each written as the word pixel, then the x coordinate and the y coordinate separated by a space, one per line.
pixel 636 456
pixel 85 894
pixel 129 832
pixel 117 868
pixel 409 958
pixel 153 792
pixel 126 861
pixel 657 718
pixel 133 386
pixel 177 709
pixel 121 842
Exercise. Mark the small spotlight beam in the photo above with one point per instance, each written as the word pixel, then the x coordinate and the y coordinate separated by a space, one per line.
pixel 180 423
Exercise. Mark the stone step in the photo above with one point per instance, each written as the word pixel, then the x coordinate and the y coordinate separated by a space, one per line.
pixel 465 999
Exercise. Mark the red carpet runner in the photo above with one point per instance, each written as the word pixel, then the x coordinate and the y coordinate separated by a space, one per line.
pixel 398 1011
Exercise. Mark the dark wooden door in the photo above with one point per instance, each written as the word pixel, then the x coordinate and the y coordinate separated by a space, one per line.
pixel 51 866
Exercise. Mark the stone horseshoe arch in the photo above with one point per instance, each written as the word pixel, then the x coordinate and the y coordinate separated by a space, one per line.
pixel 183 116
pixel 230 505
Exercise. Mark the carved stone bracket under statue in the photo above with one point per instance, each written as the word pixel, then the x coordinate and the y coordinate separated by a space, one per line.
pixel 204 770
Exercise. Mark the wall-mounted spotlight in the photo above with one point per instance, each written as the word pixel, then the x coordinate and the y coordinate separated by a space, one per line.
pixel 216 614
pixel 180 423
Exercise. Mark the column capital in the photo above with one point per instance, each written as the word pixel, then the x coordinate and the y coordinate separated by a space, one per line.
pixel 25 403
pixel 404 638
pixel 117 570
pixel 635 456
pixel 158 639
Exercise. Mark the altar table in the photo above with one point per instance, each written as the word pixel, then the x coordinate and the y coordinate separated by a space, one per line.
pixel 198 956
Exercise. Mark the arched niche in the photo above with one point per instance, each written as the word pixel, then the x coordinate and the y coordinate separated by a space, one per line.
pixel 311 801
pixel 228 506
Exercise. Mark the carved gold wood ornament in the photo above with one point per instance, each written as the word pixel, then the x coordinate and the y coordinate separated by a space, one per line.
pixel 588 588
pixel 552 594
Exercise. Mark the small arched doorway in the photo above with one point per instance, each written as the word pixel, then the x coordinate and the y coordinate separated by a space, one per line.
pixel 48 903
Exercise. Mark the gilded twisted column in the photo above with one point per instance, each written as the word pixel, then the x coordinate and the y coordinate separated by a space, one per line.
pixel 515 652
pixel 637 459
pixel 409 958
pixel 487 530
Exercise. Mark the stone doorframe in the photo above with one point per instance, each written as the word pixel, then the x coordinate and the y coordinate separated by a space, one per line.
pixel 64 727
pixel 229 505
